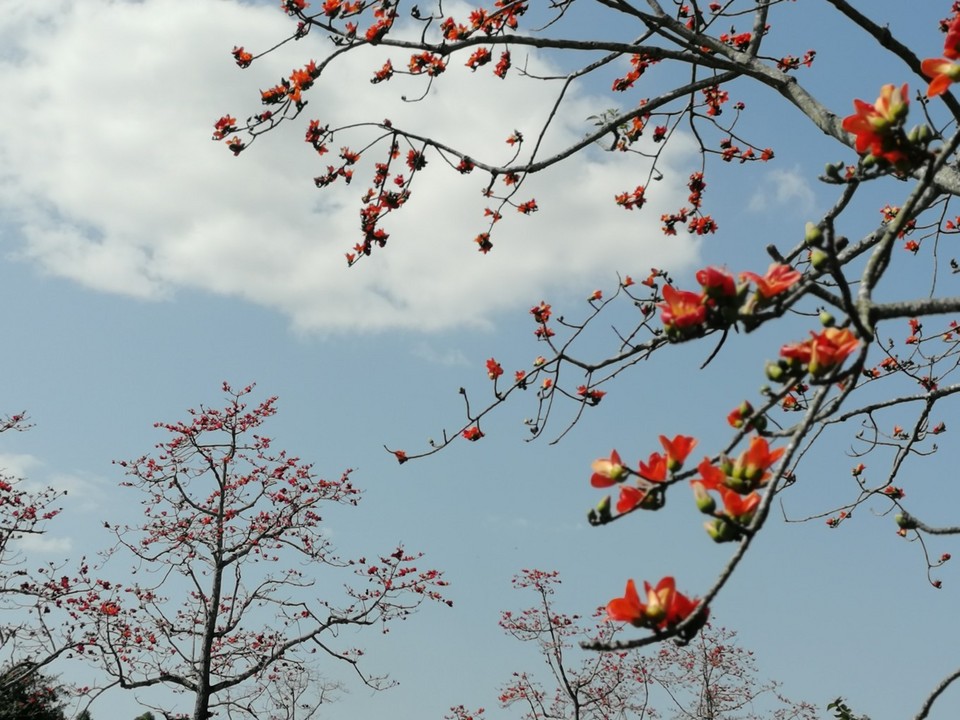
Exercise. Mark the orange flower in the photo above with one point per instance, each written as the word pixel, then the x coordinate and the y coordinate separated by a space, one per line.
pixel 753 463
pixel 822 352
pixel 665 606
pixel 716 283
pixel 677 450
pixel 739 415
pixel 655 469
pixel 472 433
pixel 830 349
pixel 630 497
pixel 682 309
pixel 778 279
pixel 739 508
pixel 874 125
pixel 494 369
pixel 627 608
pixel 608 471
pixel 711 477
pixel 942 74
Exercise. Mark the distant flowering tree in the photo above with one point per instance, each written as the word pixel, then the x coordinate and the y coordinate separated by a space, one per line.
pixel 711 678
pixel 857 292
pixel 232 606
pixel 37 621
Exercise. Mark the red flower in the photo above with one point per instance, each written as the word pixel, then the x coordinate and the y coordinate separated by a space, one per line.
pixel 716 283
pixel 740 414
pixel 942 73
pixel 823 352
pixel 242 57
pixel 591 396
pixel 682 309
pixel 677 450
pixel 778 279
pixel 711 477
pixel 607 471
pixel 630 497
pixel 494 369
pixel 472 433
pixel 665 606
pixel 874 125
pixel 401 456
pixel 739 508
pixel 753 463
pixel 655 469
pixel 110 608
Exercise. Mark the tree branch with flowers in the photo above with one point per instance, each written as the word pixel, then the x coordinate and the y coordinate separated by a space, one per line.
pixel 852 366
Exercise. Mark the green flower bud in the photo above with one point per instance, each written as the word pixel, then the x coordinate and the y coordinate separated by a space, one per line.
pixel 819 259
pixel 813 235
pixel 905 521
pixel 775 372
pixel 704 500
pixel 826 319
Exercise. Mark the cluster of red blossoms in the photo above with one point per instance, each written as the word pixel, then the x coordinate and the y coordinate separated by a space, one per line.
pixel 878 128
pixel 721 300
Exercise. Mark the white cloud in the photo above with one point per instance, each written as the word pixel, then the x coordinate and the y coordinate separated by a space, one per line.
pixel 45 544
pixel 782 188
pixel 107 168
pixel 32 475
pixel 451 357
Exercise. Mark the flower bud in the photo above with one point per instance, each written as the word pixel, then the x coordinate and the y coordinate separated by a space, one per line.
pixel 704 500
pixel 819 259
pixel 603 509
pixel 775 372
pixel 905 521
pixel 826 319
pixel 720 530
pixel 813 235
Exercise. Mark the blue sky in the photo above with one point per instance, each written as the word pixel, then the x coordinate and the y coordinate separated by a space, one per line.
pixel 143 265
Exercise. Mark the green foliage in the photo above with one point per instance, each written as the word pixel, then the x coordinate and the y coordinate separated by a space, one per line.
pixel 842 712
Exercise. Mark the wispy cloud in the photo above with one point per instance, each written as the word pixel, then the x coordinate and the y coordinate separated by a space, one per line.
pixel 783 188
pixel 107 169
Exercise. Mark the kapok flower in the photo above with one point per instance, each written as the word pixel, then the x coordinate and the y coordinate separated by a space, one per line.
pixel 716 283
pixel 830 348
pixel 494 369
pixel 655 469
pixel 682 310
pixel 824 351
pixel 943 72
pixel 874 125
pixel 711 477
pixel 677 450
pixel 472 433
pixel 753 463
pixel 630 497
pixel 779 278
pixel 665 606
pixel 740 414
pixel 739 508
pixel 608 471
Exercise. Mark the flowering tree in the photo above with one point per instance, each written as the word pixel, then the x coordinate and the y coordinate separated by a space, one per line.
pixel 233 550
pixel 37 623
pixel 711 678
pixel 851 362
